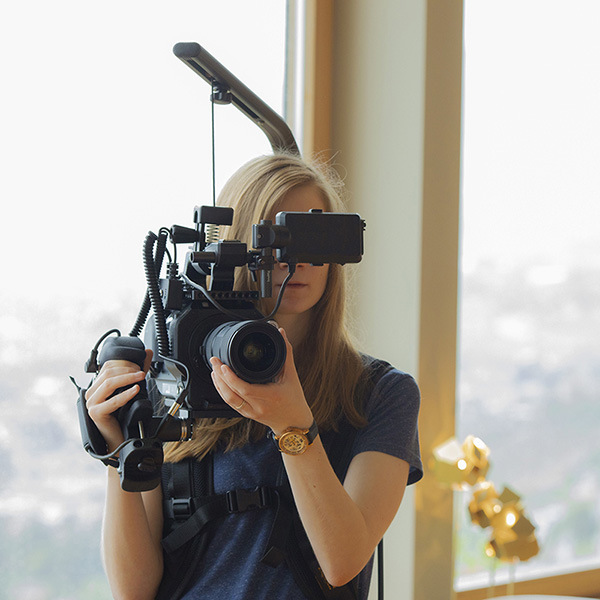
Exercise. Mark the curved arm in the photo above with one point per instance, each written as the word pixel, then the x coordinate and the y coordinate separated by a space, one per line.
pixel 211 70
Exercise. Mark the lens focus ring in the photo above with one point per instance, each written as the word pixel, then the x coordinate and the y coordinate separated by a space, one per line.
pixel 254 350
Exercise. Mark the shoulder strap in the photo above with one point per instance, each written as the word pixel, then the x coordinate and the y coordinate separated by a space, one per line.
pixel 178 482
pixel 299 555
pixel 191 509
pixel 190 503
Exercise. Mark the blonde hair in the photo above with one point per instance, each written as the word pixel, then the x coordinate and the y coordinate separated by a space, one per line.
pixel 328 365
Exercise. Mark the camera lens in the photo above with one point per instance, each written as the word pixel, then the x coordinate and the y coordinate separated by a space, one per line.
pixel 255 351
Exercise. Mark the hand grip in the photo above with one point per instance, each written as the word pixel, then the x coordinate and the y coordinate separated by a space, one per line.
pixel 140 408
pixel 123 348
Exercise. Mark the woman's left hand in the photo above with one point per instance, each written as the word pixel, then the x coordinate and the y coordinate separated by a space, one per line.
pixel 277 405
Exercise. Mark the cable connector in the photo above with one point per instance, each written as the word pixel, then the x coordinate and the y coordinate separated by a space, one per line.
pixel 172 270
pixel 91 365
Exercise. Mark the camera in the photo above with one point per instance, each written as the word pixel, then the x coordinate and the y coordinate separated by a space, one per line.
pixel 203 319
pixel 193 313
pixel 196 314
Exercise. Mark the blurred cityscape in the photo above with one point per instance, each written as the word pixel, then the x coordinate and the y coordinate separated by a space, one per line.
pixel 51 492
pixel 529 377
pixel 529 386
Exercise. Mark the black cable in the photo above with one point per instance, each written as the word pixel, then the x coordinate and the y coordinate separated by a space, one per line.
pixel 380 569
pixel 233 315
pixel 179 400
pixel 212 120
pixel 160 323
pixel 140 321
pixel 91 366
pixel 109 332
pixel 168 233
pixel 291 271
pixel 111 455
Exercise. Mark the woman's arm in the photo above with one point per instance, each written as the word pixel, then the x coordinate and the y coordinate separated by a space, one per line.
pixel 131 533
pixel 344 523
pixel 132 526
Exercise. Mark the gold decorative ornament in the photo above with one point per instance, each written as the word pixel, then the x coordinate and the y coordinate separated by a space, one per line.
pixel 461 465
pixel 465 465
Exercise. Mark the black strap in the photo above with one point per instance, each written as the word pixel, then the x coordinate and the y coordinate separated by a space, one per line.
pixel 182 569
pixel 276 552
pixel 213 508
pixel 193 514
pixel 380 579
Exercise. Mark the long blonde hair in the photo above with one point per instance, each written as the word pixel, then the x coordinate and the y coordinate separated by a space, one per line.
pixel 328 365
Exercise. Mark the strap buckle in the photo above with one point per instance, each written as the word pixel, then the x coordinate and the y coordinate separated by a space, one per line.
pixel 182 508
pixel 242 500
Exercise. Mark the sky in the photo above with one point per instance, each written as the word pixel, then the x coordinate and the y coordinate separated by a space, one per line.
pixel 531 149
pixel 106 134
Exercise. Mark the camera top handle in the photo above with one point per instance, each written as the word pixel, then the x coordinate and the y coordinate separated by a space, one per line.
pixel 227 88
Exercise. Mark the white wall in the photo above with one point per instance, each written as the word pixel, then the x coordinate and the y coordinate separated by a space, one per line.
pixel 378 115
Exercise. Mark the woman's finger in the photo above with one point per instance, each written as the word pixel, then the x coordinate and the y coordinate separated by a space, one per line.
pixel 105 409
pixel 105 386
pixel 228 395
pixel 106 373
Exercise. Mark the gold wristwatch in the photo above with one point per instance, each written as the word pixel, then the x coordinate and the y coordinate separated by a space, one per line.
pixel 294 440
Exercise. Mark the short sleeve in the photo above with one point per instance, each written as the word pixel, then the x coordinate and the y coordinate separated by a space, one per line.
pixel 392 412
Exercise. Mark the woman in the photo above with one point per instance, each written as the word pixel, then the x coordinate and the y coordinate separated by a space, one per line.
pixel 322 385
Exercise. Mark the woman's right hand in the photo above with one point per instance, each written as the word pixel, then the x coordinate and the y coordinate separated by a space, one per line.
pixel 113 375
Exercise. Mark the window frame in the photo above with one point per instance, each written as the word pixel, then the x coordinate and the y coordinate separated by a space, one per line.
pixel 582 584
pixel 438 339
pixel 434 544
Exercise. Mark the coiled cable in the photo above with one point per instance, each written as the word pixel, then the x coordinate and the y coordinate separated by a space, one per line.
pixel 136 330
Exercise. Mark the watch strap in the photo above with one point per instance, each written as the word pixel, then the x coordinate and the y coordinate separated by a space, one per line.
pixel 312 433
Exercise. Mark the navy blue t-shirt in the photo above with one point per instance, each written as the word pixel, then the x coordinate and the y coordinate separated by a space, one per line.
pixel 232 567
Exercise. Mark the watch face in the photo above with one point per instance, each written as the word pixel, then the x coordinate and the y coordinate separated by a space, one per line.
pixel 293 442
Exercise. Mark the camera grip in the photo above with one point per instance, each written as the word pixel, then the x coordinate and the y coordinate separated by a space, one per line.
pixel 126 348
pixel 92 439
pixel 130 349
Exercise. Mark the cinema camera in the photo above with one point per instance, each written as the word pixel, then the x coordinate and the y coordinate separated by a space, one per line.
pixel 196 314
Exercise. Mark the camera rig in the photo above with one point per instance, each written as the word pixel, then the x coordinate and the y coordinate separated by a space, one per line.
pixel 196 313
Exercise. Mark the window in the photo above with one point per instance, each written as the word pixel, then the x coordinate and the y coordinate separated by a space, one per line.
pixel 105 135
pixel 529 359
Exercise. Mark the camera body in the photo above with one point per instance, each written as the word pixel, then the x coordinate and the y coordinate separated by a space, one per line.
pixel 194 334
pixel 202 320
pixel 196 314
